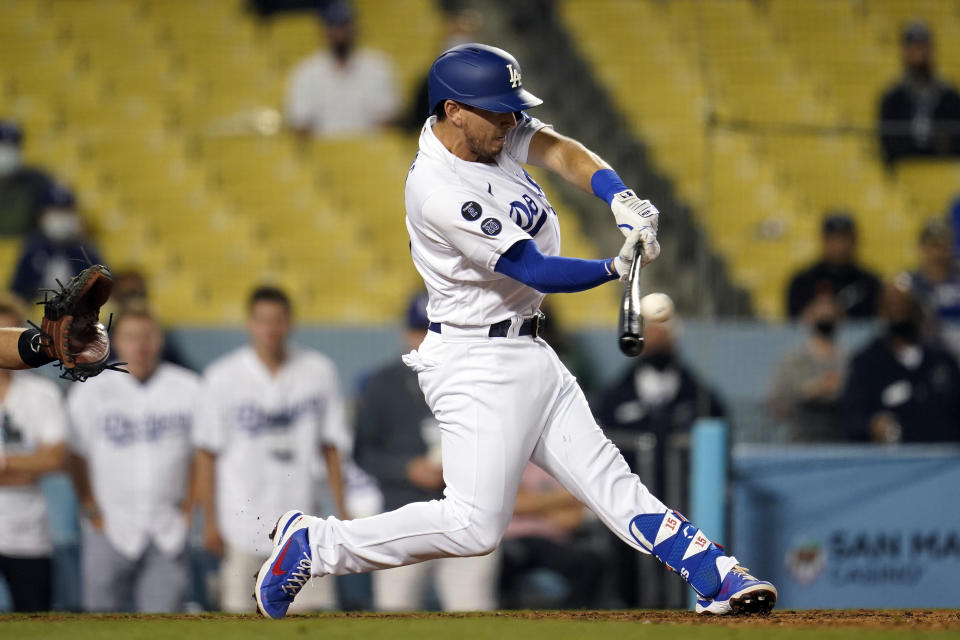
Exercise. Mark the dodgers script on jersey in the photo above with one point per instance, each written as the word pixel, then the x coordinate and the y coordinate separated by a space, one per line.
pixel 462 216
pixel 137 438
pixel 266 430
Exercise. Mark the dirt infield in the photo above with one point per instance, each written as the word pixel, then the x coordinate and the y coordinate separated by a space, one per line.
pixel 902 619
pixel 864 618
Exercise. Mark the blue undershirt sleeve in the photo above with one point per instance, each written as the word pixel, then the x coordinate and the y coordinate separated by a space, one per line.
pixel 552 274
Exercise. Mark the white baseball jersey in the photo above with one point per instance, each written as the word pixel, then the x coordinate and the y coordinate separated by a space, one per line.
pixel 267 431
pixel 501 401
pixel 31 414
pixel 137 439
pixel 462 216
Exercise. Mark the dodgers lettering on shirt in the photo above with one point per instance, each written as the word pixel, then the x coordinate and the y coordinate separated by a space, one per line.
pixel 267 430
pixel 125 430
pixel 462 216
pixel 137 440
pixel 254 419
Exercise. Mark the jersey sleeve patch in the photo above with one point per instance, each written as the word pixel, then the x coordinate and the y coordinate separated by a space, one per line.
pixel 471 226
pixel 471 210
pixel 491 226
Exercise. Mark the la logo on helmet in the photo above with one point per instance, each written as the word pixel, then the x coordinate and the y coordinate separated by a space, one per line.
pixel 514 76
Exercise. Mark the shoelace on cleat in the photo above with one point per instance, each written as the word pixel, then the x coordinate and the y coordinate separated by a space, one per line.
pixel 298 577
pixel 742 571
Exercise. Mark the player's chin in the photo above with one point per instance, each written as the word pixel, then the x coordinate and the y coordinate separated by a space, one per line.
pixel 496 146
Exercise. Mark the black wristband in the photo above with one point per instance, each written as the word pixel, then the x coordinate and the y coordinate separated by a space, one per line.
pixel 30 351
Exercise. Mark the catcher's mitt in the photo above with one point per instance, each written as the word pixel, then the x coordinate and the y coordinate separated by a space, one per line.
pixel 71 331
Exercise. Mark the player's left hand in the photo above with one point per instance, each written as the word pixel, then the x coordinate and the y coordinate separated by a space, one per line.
pixel 632 213
pixel 623 261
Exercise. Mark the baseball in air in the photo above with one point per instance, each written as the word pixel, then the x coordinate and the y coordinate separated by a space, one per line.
pixel 656 307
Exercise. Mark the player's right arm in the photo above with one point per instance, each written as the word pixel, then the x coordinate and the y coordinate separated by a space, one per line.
pixel 586 170
pixel 80 475
pixel 204 493
pixel 210 436
pixel 558 274
pixel 490 239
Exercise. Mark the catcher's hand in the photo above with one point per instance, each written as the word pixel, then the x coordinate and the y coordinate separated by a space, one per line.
pixel 71 331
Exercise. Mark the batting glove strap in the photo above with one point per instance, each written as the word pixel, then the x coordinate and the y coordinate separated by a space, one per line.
pixel 631 212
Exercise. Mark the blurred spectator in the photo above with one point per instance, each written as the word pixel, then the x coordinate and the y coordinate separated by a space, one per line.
pixel 130 292
pixel 131 439
pixel 129 289
pixel 837 272
pixel 540 537
pixel 33 430
pixel 21 188
pixel 936 284
pixel 270 417
pixel 920 114
pixel 398 443
pixel 345 90
pixel 56 250
pixel 659 394
pixel 901 389
pixel 808 383
pixel 658 399
pixel 460 26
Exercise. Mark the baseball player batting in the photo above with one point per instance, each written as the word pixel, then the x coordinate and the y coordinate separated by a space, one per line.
pixel 486 241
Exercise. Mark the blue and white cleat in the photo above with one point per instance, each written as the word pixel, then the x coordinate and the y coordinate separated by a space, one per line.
pixel 740 594
pixel 287 569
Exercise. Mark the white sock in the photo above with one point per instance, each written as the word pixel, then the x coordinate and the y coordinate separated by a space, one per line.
pixel 724 565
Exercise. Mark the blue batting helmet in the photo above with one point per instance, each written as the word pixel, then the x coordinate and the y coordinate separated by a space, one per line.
pixel 480 76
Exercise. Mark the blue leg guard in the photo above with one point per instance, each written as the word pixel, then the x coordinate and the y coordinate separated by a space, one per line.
pixel 682 547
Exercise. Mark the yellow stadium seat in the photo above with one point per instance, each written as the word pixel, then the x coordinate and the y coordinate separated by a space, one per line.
pixel 933 185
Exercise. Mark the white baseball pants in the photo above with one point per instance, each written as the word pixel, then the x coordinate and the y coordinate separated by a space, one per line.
pixel 500 402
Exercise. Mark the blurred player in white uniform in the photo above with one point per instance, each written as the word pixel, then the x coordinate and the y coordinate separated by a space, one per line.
pixel 271 417
pixel 132 446
pixel 33 432
pixel 486 242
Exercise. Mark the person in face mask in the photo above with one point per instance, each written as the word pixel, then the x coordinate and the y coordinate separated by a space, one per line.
pixel 21 187
pixel 56 250
pixel 902 388
pixel 344 90
pixel 658 394
pixel 808 382
pixel 920 114
pixel 936 281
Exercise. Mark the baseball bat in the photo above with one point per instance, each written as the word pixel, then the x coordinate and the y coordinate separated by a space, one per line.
pixel 631 322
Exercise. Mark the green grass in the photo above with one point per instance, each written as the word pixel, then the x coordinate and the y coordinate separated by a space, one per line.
pixel 472 627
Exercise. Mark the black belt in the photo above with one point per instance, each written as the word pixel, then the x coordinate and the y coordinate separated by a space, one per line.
pixel 529 327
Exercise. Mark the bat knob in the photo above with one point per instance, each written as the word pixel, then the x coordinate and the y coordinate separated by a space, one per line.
pixel 631 346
